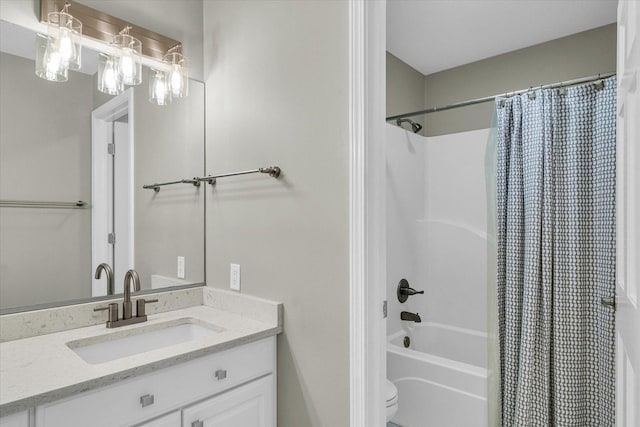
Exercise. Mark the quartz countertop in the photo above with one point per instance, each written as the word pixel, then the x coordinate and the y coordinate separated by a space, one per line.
pixel 43 369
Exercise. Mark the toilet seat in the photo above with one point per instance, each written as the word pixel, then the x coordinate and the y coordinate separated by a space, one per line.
pixel 391 397
pixel 391 394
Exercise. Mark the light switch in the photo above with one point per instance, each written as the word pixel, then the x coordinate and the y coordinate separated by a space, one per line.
pixel 234 277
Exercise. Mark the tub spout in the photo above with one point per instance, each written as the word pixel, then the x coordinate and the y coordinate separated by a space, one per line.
pixel 413 317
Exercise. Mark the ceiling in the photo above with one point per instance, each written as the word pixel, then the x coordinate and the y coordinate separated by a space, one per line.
pixel 435 35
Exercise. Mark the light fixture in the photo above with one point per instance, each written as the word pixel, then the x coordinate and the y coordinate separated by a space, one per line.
pixel 159 87
pixel 178 72
pixel 129 60
pixel 108 81
pixel 120 64
pixel 61 49
pixel 48 62
pixel 65 33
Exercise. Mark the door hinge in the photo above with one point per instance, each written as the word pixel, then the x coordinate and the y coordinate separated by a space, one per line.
pixel 111 238
pixel 111 149
pixel 384 309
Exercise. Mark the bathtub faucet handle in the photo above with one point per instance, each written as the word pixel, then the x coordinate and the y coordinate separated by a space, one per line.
pixel 404 290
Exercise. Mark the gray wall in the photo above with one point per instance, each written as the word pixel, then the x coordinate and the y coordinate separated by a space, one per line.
pixel 277 93
pixel 45 154
pixel 583 54
pixel 405 87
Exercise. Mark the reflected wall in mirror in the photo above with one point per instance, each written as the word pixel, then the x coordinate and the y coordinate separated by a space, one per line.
pixel 54 146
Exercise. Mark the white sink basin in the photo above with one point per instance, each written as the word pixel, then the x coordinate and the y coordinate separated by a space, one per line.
pixel 116 345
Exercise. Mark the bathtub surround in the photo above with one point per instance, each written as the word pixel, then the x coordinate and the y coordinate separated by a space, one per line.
pixel 556 255
pixel 437 240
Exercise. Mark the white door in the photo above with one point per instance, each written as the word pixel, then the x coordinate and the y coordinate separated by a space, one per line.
pixel 112 182
pixel 171 420
pixel 628 217
pixel 251 405
pixel 122 199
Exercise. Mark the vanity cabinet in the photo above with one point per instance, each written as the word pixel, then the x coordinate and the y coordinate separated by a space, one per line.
pixel 249 405
pixel 20 419
pixel 226 378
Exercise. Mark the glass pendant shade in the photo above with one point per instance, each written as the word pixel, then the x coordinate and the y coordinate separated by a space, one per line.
pixel 65 33
pixel 49 64
pixel 178 74
pixel 159 88
pixel 108 81
pixel 129 61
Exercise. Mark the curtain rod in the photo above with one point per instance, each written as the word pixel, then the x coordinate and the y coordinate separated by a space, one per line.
pixel 504 95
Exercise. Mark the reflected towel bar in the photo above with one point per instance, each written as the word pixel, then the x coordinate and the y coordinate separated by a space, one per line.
pixel 273 171
pixel 156 187
pixel 39 204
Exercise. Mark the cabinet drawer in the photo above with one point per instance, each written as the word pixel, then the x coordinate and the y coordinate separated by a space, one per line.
pixel 173 419
pixel 141 398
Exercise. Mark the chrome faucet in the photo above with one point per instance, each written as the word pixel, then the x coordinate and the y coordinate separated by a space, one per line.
pixel 127 316
pixel 413 317
pixel 109 272
pixel 126 304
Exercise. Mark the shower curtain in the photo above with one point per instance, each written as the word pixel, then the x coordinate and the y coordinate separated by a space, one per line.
pixel 555 200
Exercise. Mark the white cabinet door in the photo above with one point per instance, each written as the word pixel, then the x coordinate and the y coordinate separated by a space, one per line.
pixel 171 420
pixel 251 405
pixel 628 217
pixel 21 419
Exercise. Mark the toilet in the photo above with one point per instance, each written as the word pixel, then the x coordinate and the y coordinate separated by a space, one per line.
pixel 391 397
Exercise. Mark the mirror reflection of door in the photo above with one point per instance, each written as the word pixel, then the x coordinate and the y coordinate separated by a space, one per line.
pixel 112 190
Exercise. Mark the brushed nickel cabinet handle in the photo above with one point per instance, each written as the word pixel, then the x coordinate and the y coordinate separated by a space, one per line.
pixel 146 400
pixel 221 374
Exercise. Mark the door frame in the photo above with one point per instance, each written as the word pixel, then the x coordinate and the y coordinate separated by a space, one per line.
pixel 102 217
pixel 367 212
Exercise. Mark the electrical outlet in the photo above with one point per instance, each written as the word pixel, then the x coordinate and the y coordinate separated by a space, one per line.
pixel 234 276
pixel 180 267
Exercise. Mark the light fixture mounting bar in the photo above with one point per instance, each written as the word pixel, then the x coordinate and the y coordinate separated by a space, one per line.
pixel 102 26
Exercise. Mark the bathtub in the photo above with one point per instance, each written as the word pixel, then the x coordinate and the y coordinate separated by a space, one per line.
pixel 441 377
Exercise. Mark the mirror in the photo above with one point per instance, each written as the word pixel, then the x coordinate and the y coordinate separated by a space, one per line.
pixel 54 147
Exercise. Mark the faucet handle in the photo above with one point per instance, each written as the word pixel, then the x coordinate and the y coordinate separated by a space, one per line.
pixel 141 306
pixel 404 290
pixel 113 311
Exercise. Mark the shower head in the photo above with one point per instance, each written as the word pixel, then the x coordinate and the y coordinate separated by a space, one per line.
pixel 416 127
